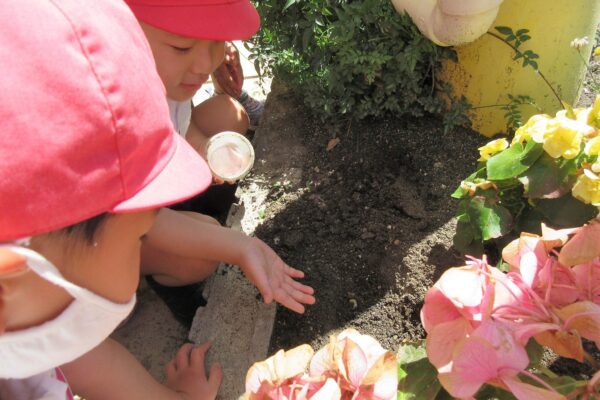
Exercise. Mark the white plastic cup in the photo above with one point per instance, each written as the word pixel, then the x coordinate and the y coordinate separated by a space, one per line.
pixel 229 155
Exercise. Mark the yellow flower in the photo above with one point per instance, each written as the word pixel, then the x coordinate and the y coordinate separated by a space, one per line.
pixel 597 52
pixel 587 188
pixel 592 147
pixel 594 114
pixel 536 125
pixel 564 136
pixel 493 147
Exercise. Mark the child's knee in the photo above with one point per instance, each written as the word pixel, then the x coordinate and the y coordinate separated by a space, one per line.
pixel 230 112
pixel 201 217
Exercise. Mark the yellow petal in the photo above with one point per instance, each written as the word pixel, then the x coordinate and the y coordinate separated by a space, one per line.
pixel 493 147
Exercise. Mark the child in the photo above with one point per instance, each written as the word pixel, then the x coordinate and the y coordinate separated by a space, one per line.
pixel 88 155
pixel 187 41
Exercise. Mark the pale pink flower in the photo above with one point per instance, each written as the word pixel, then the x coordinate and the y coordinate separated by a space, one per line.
pixel 361 365
pixel 490 355
pixel 279 377
pixel 587 280
pixel 461 292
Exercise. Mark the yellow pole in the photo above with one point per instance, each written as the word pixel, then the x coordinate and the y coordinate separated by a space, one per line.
pixel 486 72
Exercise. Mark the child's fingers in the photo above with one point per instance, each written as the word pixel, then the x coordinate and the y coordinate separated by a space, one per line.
pixel 294 273
pixel 170 369
pixel 182 358
pixel 303 298
pixel 302 287
pixel 197 357
pixel 215 378
pixel 289 302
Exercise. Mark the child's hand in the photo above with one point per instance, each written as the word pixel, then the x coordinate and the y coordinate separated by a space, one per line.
pixel 186 374
pixel 274 278
pixel 229 75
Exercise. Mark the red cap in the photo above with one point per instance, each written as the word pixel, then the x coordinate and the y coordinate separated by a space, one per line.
pixel 85 125
pixel 200 19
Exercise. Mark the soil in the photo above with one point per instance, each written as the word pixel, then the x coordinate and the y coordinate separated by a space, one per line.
pixel 369 220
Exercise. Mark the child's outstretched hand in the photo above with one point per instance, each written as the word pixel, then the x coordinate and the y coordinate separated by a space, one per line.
pixel 186 374
pixel 274 278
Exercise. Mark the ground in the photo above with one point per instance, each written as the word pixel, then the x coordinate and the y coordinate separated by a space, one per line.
pixel 369 221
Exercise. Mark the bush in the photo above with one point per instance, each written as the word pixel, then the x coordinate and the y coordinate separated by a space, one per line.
pixel 353 58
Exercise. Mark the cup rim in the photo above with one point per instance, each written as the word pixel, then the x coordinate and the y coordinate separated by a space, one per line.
pixel 229 137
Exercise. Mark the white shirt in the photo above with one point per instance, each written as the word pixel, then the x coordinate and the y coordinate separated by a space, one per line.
pixel 181 115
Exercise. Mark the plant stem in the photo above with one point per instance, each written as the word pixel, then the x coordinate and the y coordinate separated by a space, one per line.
pixel 516 50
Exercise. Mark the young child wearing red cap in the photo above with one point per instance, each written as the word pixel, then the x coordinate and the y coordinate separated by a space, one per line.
pixel 187 39
pixel 190 41
pixel 89 155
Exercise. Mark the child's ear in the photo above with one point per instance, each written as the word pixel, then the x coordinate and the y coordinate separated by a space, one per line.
pixel 11 264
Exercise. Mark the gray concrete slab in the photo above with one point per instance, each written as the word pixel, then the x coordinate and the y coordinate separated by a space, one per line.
pixel 152 334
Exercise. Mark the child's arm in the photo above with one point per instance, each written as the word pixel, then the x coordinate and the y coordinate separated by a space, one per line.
pixel 185 236
pixel 109 371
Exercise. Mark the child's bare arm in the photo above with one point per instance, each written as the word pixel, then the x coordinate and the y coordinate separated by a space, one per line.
pixel 185 236
pixel 109 371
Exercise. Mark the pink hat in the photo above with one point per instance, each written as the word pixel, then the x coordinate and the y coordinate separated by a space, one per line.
pixel 85 125
pixel 200 19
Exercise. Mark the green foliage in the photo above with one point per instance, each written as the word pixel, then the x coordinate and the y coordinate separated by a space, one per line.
pixel 417 378
pixel 514 118
pixel 515 40
pixel 350 58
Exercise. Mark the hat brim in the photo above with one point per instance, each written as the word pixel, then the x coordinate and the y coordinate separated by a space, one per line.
pixel 185 175
pixel 234 20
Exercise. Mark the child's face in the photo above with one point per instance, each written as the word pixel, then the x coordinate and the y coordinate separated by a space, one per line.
pixel 110 266
pixel 183 63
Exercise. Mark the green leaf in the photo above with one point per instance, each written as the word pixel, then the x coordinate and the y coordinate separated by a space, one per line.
pixel 411 352
pixel 492 220
pixel 464 235
pixel 521 32
pixel 566 211
pixel 535 352
pixel 505 30
pixel 288 4
pixel 512 162
pixel 420 381
pixel 545 179
pixel 491 392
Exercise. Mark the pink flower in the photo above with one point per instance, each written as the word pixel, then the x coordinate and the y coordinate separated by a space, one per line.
pixel 461 292
pixel 279 377
pixel 361 365
pixel 490 355
pixel 583 247
pixel 587 280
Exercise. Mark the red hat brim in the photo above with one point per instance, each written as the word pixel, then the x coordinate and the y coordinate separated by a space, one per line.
pixel 184 175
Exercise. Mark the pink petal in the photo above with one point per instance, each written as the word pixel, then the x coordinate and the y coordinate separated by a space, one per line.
pixel 386 387
pixel 583 247
pixel 584 317
pixel 444 338
pixel 437 308
pixel 463 286
pixel 322 361
pixel 524 391
pixel 356 363
pixel 329 391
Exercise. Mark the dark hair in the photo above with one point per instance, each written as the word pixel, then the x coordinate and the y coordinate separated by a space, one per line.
pixel 87 229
